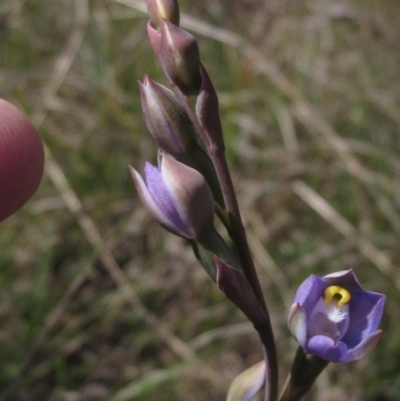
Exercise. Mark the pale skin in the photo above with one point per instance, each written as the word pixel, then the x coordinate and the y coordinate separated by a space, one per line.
pixel 21 159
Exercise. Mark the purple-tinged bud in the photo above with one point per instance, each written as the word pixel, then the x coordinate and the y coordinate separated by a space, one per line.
pixel 163 9
pixel 176 196
pixel 166 118
pixel 180 58
pixel 234 284
pixel 334 318
pixel 207 109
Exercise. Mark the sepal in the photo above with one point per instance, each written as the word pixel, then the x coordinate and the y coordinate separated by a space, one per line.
pixel 197 158
pixel 297 323
pixel 155 39
pixel 207 109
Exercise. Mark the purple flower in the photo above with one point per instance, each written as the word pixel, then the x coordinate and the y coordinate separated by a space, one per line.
pixel 334 318
pixel 177 197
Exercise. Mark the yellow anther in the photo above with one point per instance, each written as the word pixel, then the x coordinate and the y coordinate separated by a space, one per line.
pixel 337 294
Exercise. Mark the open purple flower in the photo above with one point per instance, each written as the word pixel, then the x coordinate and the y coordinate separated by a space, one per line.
pixel 177 197
pixel 334 318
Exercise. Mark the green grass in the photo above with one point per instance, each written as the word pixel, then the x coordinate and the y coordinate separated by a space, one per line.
pixel 96 301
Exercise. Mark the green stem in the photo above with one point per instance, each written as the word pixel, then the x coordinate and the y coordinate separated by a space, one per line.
pixel 305 370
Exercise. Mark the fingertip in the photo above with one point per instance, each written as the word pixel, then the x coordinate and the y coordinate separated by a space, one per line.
pixel 21 159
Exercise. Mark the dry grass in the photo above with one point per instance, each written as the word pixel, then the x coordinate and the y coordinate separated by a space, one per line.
pixel 96 301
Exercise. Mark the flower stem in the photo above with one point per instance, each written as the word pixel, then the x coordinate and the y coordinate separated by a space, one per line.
pixel 216 150
pixel 305 370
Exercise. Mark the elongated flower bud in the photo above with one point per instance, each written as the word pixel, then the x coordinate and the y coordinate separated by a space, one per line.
pixel 163 9
pixel 165 118
pixel 234 284
pixel 176 196
pixel 180 58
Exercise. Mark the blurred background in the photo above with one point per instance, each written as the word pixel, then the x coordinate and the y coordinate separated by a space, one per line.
pixel 97 302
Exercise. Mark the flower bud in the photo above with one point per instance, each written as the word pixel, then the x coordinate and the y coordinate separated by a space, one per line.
pixel 163 9
pixel 180 58
pixel 234 284
pixel 248 384
pixel 176 196
pixel 165 118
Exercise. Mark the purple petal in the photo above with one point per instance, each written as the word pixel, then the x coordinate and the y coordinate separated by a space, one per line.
pixel 157 200
pixel 326 348
pixel 309 292
pixel 363 348
pixel 366 310
pixel 161 196
pixel 346 279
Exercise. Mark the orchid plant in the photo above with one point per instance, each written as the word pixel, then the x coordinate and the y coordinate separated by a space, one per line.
pixel 332 318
